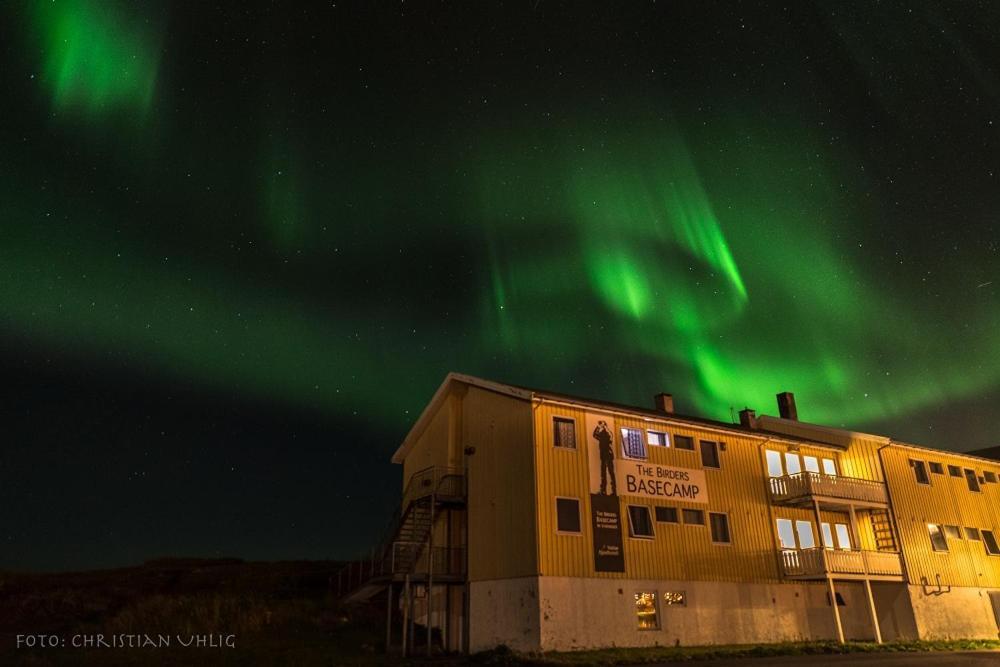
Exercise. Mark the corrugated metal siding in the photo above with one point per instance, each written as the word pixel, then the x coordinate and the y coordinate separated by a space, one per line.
pixel 435 446
pixel 501 501
pixel 947 501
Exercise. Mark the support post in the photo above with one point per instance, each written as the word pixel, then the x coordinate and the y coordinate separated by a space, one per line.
pixel 836 609
pixel 388 618
pixel 871 609
pixel 406 612
pixel 430 574
pixel 854 530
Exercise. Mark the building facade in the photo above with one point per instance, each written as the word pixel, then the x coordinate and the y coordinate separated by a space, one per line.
pixel 547 522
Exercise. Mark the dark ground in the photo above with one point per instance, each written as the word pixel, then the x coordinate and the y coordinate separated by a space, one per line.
pixel 937 659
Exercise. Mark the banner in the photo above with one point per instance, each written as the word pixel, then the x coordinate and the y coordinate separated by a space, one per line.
pixel 606 523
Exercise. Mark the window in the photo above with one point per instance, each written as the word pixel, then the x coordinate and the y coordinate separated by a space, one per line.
pixel 645 611
pixel 804 529
pixel 937 468
pixel 954 471
pixel 786 534
pixel 990 477
pixel 633 446
pixel 953 532
pixel 639 523
pixel 683 442
pixel 564 432
pixel 693 517
pixel 990 542
pixel 826 533
pixel 667 515
pixel 719 524
pixel 920 472
pixel 938 541
pixel 774 468
pixel 972 533
pixel 811 463
pixel 672 598
pixel 970 479
pixel 843 536
pixel 792 463
pixel 830 467
pixel 657 439
pixel 710 454
pixel 567 515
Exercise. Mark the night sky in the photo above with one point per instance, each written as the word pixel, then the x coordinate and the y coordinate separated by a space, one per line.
pixel 239 249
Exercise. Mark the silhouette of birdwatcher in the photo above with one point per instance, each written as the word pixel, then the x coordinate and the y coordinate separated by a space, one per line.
pixel 605 446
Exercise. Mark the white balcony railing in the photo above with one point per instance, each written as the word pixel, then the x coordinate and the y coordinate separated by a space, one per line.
pixel 805 484
pixel 820 562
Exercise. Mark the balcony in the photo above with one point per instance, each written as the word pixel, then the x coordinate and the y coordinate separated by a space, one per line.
pixel 829 490
pixel 820 563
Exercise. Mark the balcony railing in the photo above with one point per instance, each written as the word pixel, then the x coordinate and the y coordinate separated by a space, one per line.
pixel 803 485
pixel 820 562
pixel 440 480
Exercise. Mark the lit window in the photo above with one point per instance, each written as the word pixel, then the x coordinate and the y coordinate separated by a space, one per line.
pixel 693 517
pixel 675 598
pixel 567 515
pixel 667 515
pixel 811 463
pixel 792 463
pixel 937 468
pixel 954 471
pixel 972 533
pixel 786 533
pixel 633 446
pixel 710 454
pixel 920 472
pixel 804 529
pixel 719 523
pixel 774 468
pixel 990 542
pixel 683 442
pixel 645 611
pixel 843 536
pixel 826 533
pixel 938 541
pixel 970 479
pixel 639 523
pixel 830 467
pixel 953 532
pixel 564 432
pixel 657 439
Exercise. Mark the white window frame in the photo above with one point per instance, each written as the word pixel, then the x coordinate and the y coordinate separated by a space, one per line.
pixel 645 446
pixel 729 529
pixel 576 431
pixel 631 529
pixel 666 439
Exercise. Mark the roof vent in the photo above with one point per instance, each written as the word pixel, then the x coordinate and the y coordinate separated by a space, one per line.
pixel 664 403
pixel 786 406
pixel 748 418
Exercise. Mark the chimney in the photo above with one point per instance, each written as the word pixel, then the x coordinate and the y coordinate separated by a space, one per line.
pixel 786 406
pixel 748 418
pixel 664 403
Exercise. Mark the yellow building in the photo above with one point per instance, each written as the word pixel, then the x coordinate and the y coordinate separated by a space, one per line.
pixel 548 522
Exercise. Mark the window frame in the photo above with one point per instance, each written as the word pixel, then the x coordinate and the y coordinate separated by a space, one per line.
pixel 919 466
pixel 798 534
pixel 833 462
pixel 684 438
pixel 970 480
pixel 715 446
pixel 972 534
pixel 555 421
pixel 932 464
pixel 656 514
pixel 683 599
pixel 656 610
pixel 631 528
pixel 666 438
pixel 684 520
pixel 840 537
pixel 990 477
pixel 824 528
pixel 954 471
pixel 944 538
pixel 777 531
pixel 768 459
pixel 642 438
pixel 729 530
pixel 949 533
pixel 579 516
pixel 992 539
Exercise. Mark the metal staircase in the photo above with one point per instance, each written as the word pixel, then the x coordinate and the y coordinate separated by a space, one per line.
pixel 407 548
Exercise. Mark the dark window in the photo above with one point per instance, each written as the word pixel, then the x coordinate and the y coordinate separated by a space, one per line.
pixel 954 471
pixel 971 533
pixel 568 515
pixel 565 432
pixel 937 468
pixel 990 477
pixel 840 600
pixel 953 532
pixel 970 479
pixel 683 442
pixel 990 542
pixel 639 523
pixel 633 446
pixel 920 471
pixel 710 454
pixel 667 515
pixel 719 524
pixel 693 517
pixel 938 540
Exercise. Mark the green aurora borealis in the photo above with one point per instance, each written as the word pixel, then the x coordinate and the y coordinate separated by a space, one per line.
pixel 313 214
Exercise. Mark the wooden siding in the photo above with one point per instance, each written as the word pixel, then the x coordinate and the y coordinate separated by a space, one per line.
pixel 946 501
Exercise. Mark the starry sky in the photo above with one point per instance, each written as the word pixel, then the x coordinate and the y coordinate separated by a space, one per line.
pixel 240 247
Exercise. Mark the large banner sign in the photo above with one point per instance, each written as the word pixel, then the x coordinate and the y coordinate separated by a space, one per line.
pixel 606 522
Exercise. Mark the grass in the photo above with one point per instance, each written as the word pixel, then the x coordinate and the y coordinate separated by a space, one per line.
pixel 660 654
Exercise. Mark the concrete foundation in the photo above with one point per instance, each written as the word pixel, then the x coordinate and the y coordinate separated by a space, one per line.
pixel 953 612
pixel 504 611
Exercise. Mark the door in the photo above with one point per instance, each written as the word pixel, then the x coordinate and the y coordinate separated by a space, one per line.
pixel 995 601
